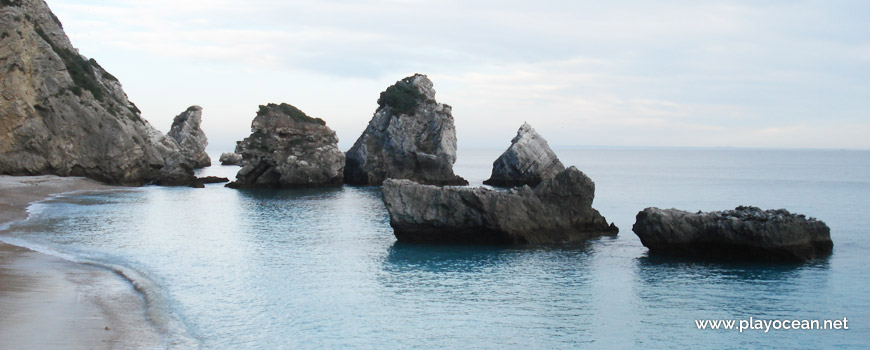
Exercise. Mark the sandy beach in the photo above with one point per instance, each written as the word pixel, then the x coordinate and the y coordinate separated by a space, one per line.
pixel 50 303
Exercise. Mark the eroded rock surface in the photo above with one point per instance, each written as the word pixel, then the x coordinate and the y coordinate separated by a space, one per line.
pixel 230 158
pixel 63 114
pixel 745 232
pixel 186 131
pixel 558 210
pixel 528 161
pixel 411 136
pixel 287 148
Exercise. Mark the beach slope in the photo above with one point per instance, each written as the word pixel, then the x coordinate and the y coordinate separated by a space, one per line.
pixel 50 303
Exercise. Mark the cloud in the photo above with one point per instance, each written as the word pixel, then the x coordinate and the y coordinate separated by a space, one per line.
pixel 619 73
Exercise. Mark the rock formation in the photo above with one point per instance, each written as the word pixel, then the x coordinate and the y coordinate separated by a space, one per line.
pixel 288 149
pixel 231 158
pixel 212 180
pixel 746 232
pixel 63 114
pixel 528 161
pixel 558 210
pixel 187 133
pixel 411 136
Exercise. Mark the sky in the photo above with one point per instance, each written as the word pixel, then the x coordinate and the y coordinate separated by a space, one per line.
pixel 757 74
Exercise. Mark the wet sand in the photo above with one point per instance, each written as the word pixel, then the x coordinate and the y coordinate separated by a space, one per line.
pixel 50 303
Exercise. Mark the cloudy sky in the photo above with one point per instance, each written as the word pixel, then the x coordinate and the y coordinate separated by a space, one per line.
pixel 784 74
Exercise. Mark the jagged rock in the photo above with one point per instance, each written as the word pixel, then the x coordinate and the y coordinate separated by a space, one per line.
pixel 231 158
pixel 63 114
pixel 411 136
pixel 288 149
pixel 528 161
pixel 187 133
pixel 746 232
pixel 558 210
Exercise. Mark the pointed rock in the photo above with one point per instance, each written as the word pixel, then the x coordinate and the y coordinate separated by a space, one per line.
pixel 558 210
pixel 528 161
pixel 411 136
pixel 287 148
pixel 63 114
pixel 191 139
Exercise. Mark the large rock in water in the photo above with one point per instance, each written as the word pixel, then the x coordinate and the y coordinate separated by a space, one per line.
pixel 411 136
pixel 191 139
pixel 287 148
pixel 558 210
pixel 528 161
pixel 746 232
pixel 63 114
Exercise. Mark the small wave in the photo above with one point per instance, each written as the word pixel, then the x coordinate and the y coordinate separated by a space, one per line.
pixel 158 311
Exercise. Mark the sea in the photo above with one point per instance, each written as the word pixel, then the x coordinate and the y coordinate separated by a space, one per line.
pixel 320 268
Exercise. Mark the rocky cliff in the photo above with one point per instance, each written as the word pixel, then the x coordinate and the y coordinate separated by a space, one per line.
pixel 411 136
pixel 558 210
pixel 186 131
pixel 63 114
pixel 746 232
pixel 528 161
pixel 287 148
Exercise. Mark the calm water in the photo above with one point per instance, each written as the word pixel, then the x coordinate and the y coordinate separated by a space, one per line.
pixel 321 268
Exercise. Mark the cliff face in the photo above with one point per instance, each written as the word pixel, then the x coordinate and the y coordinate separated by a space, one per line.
pixel 63 114
pixel 528 161
pixel 411 136
pixel 288 149
pixel 558 210
pixel 186 131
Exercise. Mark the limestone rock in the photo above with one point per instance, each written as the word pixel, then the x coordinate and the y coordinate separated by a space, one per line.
pixel 288 149
pixel 411 136
pixel 528 161
pixel 187 133
pixel 63 114
pixel 558 210
pixel 745 232
pixel 231 158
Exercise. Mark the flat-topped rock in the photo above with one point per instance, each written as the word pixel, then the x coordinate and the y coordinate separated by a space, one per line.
pixel 287 148
pixel 411 136
pixel 558 210
pixel 745 232
pixel 528 161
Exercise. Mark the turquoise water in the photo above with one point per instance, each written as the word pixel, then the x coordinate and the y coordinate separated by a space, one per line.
pixel 321 268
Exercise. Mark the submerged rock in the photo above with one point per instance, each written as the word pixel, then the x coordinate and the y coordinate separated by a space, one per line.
pixel 411 136
pixel 191 139
pixel 745 232
pixel 287 148
pixel 528 161
pixel 230 158
pixel 558 210
pixel 63 114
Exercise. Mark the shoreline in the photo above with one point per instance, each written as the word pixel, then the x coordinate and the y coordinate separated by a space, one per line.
pixel 49 302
